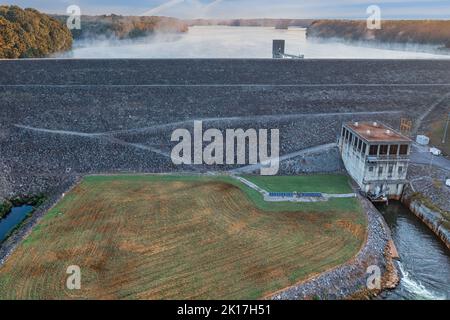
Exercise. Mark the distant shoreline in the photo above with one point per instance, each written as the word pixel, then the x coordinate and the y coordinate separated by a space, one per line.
pixel 434 33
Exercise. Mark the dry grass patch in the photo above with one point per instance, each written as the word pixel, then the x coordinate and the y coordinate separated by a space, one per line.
pixel 147 237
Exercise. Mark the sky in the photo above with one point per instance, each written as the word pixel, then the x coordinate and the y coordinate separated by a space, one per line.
pixel 221 9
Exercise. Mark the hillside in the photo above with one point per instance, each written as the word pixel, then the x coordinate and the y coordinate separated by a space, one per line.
pixel 27 33
pixel 278 23
pixel 426 32
pixel 123 27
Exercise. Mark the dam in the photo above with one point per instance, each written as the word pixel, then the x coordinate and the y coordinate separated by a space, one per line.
pixel 62 118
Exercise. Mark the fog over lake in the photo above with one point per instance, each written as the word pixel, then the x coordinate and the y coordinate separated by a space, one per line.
pixel 237 42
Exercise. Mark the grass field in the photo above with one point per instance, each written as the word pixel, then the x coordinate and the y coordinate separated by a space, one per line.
pixel 167 237
pixel 437 133
pixel 328 183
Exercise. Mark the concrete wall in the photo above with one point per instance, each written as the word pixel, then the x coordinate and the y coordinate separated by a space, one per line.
pixel 432 218
pixel 354 162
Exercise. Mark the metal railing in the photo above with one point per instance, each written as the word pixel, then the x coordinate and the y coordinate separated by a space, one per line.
pixel 387 158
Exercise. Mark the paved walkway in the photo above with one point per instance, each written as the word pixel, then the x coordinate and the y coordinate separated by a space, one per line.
pixel 422 155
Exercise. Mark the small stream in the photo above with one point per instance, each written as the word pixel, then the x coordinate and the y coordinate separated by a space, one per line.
pixel 12 219
pixel 424 260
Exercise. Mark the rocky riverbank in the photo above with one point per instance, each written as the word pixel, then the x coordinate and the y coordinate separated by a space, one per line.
pixel 350 279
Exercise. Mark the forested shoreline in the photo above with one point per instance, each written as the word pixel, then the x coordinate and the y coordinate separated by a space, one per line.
pixel 423 32
pixel 124 27
pixel 27 33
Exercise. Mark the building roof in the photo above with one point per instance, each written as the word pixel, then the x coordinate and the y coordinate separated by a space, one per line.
pixel 376 132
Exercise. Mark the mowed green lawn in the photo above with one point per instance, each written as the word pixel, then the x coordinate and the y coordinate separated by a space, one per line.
pixel 178 237
pixel 326 183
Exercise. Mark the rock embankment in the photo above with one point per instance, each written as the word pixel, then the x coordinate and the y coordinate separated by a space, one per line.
pixel 324 161
pixel 136 104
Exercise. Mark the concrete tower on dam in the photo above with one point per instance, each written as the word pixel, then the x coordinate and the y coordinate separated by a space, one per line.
pixel 376 157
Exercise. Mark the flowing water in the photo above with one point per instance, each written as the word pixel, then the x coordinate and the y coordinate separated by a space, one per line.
pixel 12 219
pixel 238 42
pixel 424 260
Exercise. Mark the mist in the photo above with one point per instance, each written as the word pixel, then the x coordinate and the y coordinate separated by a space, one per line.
pixel 242 42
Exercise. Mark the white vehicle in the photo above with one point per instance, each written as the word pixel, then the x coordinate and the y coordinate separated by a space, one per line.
pixel 435 151
pixel 447 183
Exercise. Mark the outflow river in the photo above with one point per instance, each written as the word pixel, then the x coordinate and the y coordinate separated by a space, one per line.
pixel 424 260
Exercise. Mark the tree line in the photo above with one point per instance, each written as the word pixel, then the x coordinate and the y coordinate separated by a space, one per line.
pixel 427 32
pixel 27 33
pixel 124 27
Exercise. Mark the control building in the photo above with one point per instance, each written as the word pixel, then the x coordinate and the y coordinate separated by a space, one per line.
pixel 376 157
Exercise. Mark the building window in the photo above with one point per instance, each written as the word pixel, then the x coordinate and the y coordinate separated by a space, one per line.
pixel 343 132
pixel 371 169
pixel 404 149
pixel 391 169
pixel 383 149
pixel 359 145
pixel 373 151
pixel 393 149
pixel 364 148
pixel 400 170
pixel 380 171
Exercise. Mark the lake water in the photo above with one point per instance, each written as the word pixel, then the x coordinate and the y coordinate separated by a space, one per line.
pixel 424 259
pixel 16 216
pixel 234 42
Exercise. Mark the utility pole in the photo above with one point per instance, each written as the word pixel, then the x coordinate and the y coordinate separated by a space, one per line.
pixel 444 138
pixel 431 162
